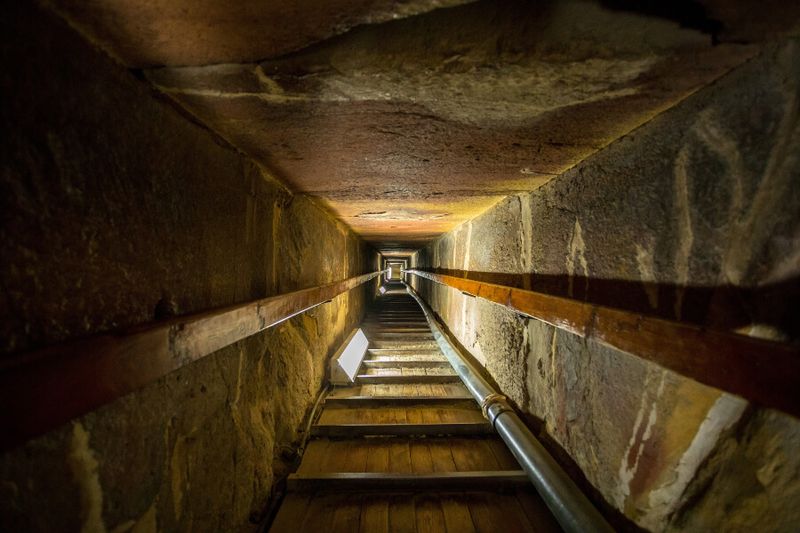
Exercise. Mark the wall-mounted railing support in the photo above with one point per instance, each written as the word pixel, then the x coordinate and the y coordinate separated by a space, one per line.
pixel 41 390
pixel 573 510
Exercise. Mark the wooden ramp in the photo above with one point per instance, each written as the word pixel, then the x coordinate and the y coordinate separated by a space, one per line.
pixel 406 449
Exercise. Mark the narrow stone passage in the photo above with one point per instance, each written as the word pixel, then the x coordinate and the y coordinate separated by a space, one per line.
pixel 406 448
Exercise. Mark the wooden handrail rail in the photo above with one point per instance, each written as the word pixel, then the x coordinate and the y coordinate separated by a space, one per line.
pixel 764 372
pixel 41 390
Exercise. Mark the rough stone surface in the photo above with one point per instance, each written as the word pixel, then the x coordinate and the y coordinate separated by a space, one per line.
pixel 410 127
pixel 201 32
pixel 693 216
pixel 117 211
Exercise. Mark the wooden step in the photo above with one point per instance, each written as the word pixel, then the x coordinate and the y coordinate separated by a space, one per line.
pixel 396 324
pixel 409 317
pixel 406 345
pixel 410 390
pixel 405 363
pixel 520 510
pixel 403 455
pixel 367 379
pixel 401 430
pixel 416 329
pixel 404 351
pixel 404 335
pixel 366 401
pixel 362 481
pixel 429 356
pixel 399 369
pixel 408 413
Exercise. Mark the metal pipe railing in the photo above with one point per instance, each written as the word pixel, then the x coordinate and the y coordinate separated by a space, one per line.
pixel 570 507
pixel 764 372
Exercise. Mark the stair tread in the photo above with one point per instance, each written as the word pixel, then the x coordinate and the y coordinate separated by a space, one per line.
pixel 400 370
pixel 411 390
pixel 518 510
pixel 403 358
pixel 365 400
pixel 406 363
pixel 407 455
pixel 365 379
pixel 396 414
pixel 398 429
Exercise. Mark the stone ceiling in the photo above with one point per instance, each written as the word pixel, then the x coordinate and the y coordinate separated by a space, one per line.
pixel 407 118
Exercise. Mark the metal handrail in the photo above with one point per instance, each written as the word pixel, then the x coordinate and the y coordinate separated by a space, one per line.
pixel 761 371
pixel 43 389
pixel 570 507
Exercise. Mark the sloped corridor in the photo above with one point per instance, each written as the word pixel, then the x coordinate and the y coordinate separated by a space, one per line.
pixel 410 444
pixel 400 265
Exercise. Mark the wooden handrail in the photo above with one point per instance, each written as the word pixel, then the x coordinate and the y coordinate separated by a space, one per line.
pixel 764 372
pixel 41 390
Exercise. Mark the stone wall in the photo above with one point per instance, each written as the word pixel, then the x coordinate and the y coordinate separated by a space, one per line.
pixel 116 210
pixel 693 216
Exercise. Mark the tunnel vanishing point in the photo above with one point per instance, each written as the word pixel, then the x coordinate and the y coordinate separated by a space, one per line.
pixel 400 265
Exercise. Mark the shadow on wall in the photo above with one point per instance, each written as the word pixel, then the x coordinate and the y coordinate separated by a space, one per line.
pixel 766 311
pixel 615 517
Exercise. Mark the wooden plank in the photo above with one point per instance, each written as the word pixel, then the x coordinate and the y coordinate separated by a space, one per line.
pixel 421 460
pixel 373 455
pixel 374 515
pixel 482 516
pixel 388 363
pixel 416 344
pixel 454 389
pixel 320 512
pixel 337 391
pixel 316 456
pixel 506 510
pixel 389 329
pixel 414 415
pixel 441 456
pixel 472 454
pixel 291 513
pixel 492 512
pixel 360 430
pixel 399 457
pixel 401 351
pixel 505 459
pixel 347 481
pixel 432 415
pixel 767 373
pixel 367 379
pixel 357 454
pixel 457 517
pixel 410 390
pixel 401 515
pixel 346 516
pixel 43 389
pixel 409 412
pixel 401 415
pixel 378 458
pixel 429 515
pixel 368 401
pixel 402 335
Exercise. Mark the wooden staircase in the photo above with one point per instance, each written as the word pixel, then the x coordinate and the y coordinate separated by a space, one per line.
pixel 406 448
